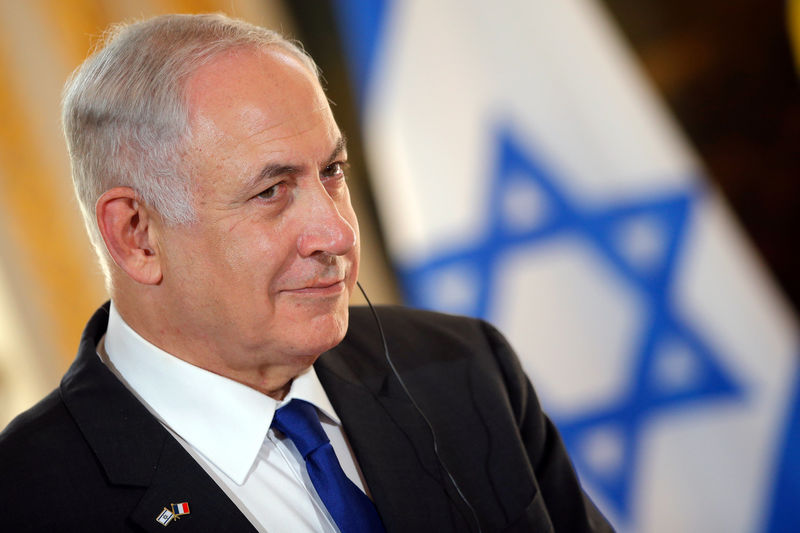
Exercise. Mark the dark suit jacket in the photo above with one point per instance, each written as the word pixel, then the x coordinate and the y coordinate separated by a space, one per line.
pixel 90 457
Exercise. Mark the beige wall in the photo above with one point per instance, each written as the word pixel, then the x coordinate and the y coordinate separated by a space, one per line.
pixel 49 281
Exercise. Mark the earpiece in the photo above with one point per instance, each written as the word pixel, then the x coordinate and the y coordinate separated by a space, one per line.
pixel 414 403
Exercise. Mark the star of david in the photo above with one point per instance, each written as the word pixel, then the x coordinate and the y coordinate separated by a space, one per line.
pixel 663 331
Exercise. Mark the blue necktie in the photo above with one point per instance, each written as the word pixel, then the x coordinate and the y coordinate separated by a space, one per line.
pixel 350 508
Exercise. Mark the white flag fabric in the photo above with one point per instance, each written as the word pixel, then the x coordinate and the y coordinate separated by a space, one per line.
pixel 525 173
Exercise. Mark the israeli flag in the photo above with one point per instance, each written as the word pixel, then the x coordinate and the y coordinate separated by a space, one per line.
pixel 525 173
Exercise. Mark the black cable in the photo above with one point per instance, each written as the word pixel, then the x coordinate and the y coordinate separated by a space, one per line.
pixel 414 403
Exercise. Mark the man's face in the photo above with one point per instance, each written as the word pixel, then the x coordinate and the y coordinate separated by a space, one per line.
pixel 263 277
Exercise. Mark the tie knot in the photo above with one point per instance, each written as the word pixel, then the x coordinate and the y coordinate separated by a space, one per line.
pixel 298 420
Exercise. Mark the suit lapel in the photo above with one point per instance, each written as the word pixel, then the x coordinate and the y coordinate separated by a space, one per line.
pixel 391 441
pixel 135 450
pixel 178 478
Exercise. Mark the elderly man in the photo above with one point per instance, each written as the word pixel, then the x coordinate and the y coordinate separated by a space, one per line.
pixel 215 392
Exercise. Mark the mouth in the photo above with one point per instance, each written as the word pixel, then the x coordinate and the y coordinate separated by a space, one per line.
pixel 320 287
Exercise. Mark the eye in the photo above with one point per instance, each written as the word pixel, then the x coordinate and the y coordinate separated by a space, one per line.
pixel 272 192
pixel 334 170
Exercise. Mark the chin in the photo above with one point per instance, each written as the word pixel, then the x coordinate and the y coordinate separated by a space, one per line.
pixel 323 332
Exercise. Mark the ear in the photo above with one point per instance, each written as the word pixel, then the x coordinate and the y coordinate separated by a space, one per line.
pixel 129 231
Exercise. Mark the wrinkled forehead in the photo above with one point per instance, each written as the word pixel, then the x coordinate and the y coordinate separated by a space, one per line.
pixel 253 89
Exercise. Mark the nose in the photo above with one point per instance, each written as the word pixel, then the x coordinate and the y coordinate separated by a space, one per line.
pixel 325 228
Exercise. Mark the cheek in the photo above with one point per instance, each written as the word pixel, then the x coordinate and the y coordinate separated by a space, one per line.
pixel 237 255
pixel 259 254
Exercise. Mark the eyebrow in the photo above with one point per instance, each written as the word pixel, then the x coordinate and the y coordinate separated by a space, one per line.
pixel 339 149
pixel 271 171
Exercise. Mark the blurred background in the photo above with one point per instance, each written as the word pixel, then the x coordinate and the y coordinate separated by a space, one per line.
pixel 613 182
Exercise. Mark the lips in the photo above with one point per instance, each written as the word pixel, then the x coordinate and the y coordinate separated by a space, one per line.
pixel 320 286
pixel 324 284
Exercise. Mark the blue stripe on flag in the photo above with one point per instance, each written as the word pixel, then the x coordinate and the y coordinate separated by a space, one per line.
pixel 784 516
pixel 360 25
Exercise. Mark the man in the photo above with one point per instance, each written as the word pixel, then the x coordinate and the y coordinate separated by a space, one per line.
pixel 210 172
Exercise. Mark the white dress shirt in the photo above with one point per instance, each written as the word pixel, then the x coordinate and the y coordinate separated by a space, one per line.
pixel 225 426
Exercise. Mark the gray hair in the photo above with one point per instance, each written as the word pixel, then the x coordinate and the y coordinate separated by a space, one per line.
pixel 125 113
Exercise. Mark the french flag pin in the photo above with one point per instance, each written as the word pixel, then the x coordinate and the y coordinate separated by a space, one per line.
pixel 180 509
pixel 175 512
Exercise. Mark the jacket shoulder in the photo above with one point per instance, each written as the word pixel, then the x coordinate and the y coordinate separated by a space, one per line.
pixel 401 312
pixel 35 428
pixel 416 334
pixel 399 320
pixel 51 479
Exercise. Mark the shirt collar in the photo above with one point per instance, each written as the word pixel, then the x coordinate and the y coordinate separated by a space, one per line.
pixel 221 418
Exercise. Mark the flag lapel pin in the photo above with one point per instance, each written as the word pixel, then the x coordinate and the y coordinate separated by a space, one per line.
pixel 165 517
pixel 179 509
pixel 175 512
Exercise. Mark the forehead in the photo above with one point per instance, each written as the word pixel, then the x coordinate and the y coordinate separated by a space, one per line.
pixel 259 95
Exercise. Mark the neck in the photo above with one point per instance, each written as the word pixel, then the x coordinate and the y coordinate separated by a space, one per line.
pixel 247 365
